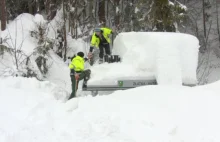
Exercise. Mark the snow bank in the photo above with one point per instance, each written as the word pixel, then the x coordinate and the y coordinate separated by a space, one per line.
pixel 32 86
pixel 150 113
pixel 18 33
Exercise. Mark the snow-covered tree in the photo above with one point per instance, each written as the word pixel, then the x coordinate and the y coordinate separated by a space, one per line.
pixel 165 15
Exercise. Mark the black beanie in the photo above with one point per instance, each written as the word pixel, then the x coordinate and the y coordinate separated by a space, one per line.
pixel 81 54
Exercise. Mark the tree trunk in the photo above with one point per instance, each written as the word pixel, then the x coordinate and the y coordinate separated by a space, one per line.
pixel 52 9
pixel 3 14
pixel 76 19
pixel 47 6
pixel 101 12
pixel 204 19
pixel 30 7
pixel 204 24
pixel 64 31
pixel 217 19
pixel 117 16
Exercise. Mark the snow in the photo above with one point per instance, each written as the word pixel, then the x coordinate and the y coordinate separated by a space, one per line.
pixel 171 58
pixel 117 9
pixel 171 3
pixel 168 66
pixel 18 33
pixel 54 24
pixel 39 19
pixel 181 5
pixel 75 46
pixel 72 9
pixel 136 10
pixel 35 111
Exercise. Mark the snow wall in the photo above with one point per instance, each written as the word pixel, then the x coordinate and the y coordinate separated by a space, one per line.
pixel 172 57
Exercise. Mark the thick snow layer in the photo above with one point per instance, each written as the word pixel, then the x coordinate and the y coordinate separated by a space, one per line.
pixel 171 58
pixel 39 19
pixel 55 24
pixel 30 112
pixel 168 66
pixel 18 33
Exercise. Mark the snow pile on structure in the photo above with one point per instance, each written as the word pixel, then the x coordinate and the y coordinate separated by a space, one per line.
pixel 144 114
pixel 141 50
pixel 168 66
pixel 171 58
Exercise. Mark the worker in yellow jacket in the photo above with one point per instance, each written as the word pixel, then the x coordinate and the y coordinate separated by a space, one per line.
pixel 101 40
pixel 77 72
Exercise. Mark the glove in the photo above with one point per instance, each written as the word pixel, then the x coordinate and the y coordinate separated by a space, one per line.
pixel 72 72
pixel 90 55
pixel 86 59
pixel 77 76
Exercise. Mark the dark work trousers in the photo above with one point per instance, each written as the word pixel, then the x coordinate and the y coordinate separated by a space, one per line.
pixel 101 49
pixel 75 83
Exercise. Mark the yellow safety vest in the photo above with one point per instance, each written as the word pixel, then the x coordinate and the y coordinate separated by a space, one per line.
pixel 96 41
pixel 77 64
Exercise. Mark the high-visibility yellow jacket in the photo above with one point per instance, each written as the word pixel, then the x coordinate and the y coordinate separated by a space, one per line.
pixel 77 64
pixel 96 41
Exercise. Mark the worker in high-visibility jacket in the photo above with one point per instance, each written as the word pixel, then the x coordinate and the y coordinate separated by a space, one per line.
pixel 77 72
pixel 100 40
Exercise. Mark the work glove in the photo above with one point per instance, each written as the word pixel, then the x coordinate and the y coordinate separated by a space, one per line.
pixel 90 55
pixel 77 76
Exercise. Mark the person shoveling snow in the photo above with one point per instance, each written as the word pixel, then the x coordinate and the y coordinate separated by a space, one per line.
pixel 100 39
pixel 77 72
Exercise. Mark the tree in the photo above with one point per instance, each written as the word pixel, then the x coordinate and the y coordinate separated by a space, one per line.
pixel 3 15
pixel 101 12
pixel 117 16
pixel 164 15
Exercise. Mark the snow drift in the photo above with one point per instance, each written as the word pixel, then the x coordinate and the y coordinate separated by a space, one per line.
pixel 29 112
pixel 171 58
pixel 18 36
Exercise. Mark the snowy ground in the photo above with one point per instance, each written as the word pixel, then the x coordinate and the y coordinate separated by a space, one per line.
pixel 38 111
pixel 30 111
pixel 18 37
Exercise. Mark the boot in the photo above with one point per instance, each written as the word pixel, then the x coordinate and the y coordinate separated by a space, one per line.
pixel 87 75
pixel 100 60
pixel 86 78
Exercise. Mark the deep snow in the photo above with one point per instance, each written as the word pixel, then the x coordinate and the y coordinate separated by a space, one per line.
pixel 30 111
pixel 38 111
pixel 18 33
pixel 171 58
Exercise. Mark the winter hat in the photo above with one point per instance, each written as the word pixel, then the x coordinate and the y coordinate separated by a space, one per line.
pixel 97 30
pixel 81 54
